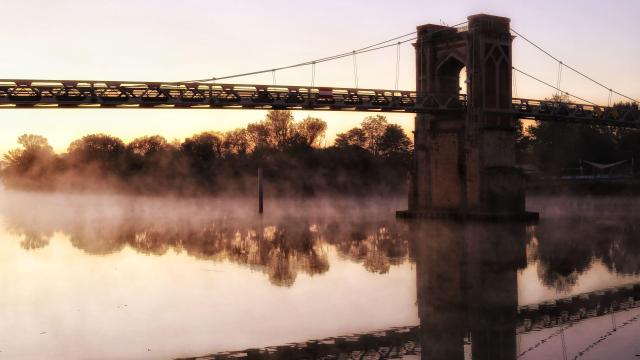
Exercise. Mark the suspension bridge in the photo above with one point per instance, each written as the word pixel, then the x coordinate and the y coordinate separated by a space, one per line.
pixel 464 159
pixel 464 163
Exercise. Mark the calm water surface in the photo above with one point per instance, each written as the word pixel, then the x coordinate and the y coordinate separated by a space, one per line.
pixel 108 277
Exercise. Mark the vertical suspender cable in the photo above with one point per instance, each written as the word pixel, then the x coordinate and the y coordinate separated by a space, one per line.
pixel 355 68
pixel 397 66
pixel 610 93
pixel 572 68
pixel 273 76
pixel 313 74
pixel 613 321
pixel 564 345
pixel 559 78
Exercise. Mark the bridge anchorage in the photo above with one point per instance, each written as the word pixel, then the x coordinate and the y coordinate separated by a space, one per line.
pixel 464 161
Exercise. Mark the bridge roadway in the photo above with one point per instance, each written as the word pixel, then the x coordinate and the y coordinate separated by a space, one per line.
pixel 193 95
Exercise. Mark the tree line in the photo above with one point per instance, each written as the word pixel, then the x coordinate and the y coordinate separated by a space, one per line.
pixel 374 157
pixel 556 148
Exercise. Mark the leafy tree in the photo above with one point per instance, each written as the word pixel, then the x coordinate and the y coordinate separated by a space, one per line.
pixel 236 142
pixel 353 137
pixel 311 130
pixel 151 156
pixel 378 137
pixel 148 145
pixel 258 136
pixel 280 127
pixel 372 158
pixel 203 150
pixel 557 146
pixel 393 141
pixel 32 162
pixel 100 150
pixel 374 128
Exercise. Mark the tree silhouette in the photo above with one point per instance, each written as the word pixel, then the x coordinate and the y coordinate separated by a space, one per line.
pixel 373 157
pixel 101 152
pixel 31 165
pixel 556 147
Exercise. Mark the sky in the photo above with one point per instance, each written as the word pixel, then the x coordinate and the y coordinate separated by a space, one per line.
pixel 165 40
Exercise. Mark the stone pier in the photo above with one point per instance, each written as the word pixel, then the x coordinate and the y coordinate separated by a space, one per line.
pixel 464 163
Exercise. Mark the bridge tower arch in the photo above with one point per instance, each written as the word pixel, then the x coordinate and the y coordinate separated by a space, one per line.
pixel 464 163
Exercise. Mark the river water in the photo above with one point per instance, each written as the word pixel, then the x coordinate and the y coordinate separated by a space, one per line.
pixel 112 277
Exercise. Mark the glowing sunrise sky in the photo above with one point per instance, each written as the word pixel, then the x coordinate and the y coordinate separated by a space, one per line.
pixel 192 39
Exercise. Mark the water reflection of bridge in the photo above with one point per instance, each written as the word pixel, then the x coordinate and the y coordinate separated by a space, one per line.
pixel 466 274
pixel 396 342
pixel 466 279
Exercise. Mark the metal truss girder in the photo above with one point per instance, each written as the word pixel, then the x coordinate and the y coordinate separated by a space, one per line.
pixel 52 93
pixel 543 110
pixel 140 94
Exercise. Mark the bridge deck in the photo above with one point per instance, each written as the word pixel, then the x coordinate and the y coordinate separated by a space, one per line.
pixel 121 94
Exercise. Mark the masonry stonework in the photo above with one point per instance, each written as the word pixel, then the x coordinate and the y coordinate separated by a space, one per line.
pixel 464 161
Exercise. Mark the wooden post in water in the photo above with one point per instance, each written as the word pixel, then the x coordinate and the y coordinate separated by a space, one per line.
pixel 260 203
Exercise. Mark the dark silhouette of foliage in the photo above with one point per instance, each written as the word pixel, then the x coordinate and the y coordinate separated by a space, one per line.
pixel 31 165
pixel 353 137
pixel 103 151
pixel 289 151
pixel 557 147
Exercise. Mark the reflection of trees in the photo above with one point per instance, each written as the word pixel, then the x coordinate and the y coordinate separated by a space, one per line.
pixel 34 240
pixel 377 246
pixel 281 250
pixel 566 248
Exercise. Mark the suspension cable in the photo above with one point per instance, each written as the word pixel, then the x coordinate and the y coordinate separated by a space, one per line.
pixel 369 48
pixel 355 68
pixel 553 87
pixel 573 69
pixel 301 64
pixel 397 65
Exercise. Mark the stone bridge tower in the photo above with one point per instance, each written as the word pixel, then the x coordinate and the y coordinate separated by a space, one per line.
pixel 464 163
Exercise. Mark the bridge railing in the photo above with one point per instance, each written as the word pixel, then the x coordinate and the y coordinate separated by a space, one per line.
pixel 136 94
pixel 578 307
pixel 53 93
pixel 34 93
pixel 627 116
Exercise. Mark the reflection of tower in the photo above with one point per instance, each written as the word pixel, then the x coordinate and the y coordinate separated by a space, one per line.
pixel 466 282
pixel 439 262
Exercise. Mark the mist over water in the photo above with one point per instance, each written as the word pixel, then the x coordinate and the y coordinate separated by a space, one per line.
pixel 95 276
